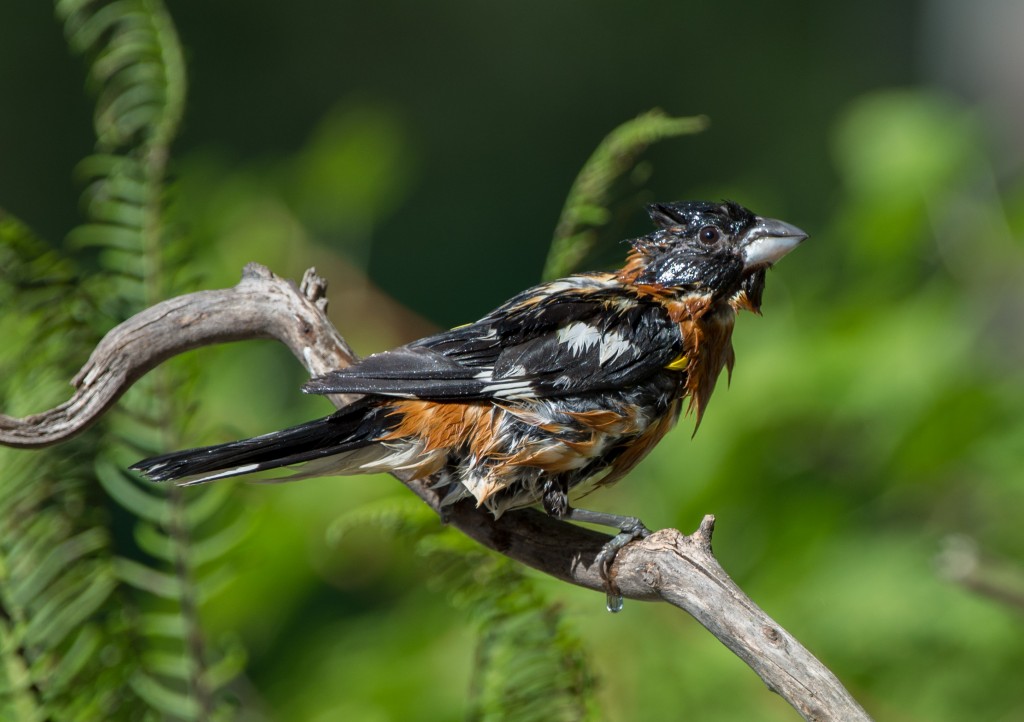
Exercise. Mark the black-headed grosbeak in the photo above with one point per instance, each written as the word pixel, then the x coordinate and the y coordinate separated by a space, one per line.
pixel 567 384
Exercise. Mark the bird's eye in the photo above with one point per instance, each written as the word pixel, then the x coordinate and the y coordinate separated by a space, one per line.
pixel 709 235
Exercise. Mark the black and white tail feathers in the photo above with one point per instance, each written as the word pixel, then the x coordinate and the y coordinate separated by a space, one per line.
pixel 353 427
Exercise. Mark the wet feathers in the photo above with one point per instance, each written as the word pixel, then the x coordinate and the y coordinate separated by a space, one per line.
pixel 568 383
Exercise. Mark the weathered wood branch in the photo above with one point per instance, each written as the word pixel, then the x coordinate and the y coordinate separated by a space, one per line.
pixel 667 566
pixel 260 306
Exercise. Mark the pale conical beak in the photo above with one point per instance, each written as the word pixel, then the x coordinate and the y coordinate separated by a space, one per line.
pixel 768 241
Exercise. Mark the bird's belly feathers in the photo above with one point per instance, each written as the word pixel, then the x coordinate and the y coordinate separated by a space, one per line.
pixel 501 454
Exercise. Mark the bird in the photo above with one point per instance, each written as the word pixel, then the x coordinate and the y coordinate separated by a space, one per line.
pixel 563 388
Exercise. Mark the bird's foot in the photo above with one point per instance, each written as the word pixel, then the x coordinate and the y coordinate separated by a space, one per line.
pixel 630 528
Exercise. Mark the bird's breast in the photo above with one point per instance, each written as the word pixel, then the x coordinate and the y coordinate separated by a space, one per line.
pixel 707 345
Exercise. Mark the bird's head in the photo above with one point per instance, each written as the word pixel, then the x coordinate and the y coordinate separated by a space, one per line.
pixel 721 250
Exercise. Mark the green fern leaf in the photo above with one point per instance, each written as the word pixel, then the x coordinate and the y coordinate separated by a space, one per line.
pixel 80 653
pixel 128 494
pixel 68 606
pixel 140 576
pixel 162 624
pixel 586 208
pixel 56 561
pixel 530 664
pixel 162 698
pixel 55 577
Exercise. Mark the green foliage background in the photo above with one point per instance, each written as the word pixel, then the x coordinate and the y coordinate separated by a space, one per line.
pixel 419 156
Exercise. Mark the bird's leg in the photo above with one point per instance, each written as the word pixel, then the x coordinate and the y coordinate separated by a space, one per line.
pixel 555 499
pixel 629 527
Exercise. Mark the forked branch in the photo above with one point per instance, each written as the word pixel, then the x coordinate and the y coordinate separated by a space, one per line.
pixel 667 566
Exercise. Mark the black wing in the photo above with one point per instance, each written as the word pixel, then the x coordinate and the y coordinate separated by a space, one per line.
pixel 577 335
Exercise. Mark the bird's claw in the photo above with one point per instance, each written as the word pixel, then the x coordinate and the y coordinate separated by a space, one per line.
pixel 630 530
pixel 633 529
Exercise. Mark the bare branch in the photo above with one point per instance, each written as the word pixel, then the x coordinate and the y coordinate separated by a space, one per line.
pixel 667 566
pixel 681 570
pixel 262 305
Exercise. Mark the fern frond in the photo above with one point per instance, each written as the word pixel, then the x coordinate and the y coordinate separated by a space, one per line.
pixel 56 578
pixel 32 276
pixel 136 69
pixel 530 664
pixel 395 515
pixel 586 207
pixel 136 72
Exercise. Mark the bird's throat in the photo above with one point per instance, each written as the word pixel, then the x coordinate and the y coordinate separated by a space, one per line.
pixel 707 343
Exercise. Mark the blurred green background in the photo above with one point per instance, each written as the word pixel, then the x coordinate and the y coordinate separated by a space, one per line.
pixel 869 447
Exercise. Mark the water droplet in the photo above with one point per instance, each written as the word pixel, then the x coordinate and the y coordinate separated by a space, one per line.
pixel 614 603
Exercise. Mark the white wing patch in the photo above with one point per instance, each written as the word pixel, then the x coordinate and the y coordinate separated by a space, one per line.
pixel 579 336
pixel 508 389
pixel 516 371
pixel 613 345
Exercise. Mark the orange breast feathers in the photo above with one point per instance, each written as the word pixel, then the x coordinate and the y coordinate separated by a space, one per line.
pixel 706 329
pixel 492 442
pixel 437 425
pixel 483 430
